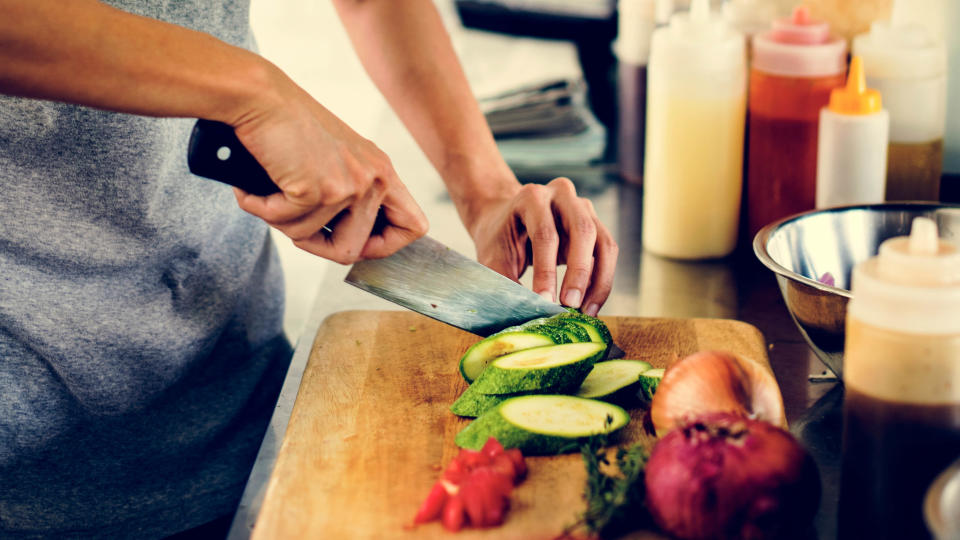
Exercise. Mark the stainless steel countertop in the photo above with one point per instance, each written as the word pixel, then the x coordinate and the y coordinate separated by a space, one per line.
pixel 645 285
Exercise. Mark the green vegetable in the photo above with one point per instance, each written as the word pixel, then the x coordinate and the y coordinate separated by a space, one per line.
pixel 574 332
pixel 543 424
pixel 616 381
pixel 614 499
pixel 475 360
pixel 596 329
pixel 539 368
pixel 649 381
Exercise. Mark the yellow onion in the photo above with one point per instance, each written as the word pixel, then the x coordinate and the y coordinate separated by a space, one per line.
pixel 715 381
pixel 724 476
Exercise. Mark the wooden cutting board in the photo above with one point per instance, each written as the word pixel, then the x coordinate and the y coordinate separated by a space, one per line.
pixel 371 429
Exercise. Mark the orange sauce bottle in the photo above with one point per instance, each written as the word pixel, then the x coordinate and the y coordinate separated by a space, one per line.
pixel 795 67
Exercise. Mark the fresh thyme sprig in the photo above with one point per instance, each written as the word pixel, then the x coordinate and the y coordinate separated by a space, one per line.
pixel 614 502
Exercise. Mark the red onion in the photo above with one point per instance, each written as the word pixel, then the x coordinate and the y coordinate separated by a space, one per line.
pixel 722 475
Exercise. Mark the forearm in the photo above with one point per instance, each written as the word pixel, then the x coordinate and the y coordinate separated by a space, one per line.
pixel 407 53
pixel 85 52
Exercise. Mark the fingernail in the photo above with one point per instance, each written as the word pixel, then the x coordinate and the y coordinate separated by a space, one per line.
pixel 548 296
pixel 572 298
pixel 592 310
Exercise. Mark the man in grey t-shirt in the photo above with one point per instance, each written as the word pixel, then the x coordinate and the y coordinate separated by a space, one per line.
pixel 141 349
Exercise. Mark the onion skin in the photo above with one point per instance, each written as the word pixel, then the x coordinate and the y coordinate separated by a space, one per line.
pixel 725 476
pixel 715 381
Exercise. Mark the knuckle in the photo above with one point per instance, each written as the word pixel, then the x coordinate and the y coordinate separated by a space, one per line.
pixel 421 226
pixel 545 234
pixel 579 271
pixel 585 225
pixel 563 183
pixel 533 193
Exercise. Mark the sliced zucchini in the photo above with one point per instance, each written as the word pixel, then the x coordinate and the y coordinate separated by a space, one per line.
pixel 552 366
pixel 596 329
pixel 575 332
pixel 475 360
pixel 649 381
pixel 616 381
pixel 472 403
pixel 544 326
pixel 543 424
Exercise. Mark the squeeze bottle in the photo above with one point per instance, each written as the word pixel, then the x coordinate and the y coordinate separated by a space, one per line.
pixel 852 146
pixel 696 98
pixel 795 66
pixel 901 374
pixel 635 24
pixel 909 68
pixel 749 17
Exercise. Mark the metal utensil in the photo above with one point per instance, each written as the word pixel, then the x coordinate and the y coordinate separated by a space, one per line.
pixel 430 278
pixel 800 249
pixel 425 276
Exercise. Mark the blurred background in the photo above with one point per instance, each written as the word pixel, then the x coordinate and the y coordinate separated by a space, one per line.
pixel 548 76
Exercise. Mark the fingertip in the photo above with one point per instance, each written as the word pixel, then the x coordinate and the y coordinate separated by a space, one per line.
pixel 572 297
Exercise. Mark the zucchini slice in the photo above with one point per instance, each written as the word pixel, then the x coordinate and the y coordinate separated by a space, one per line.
pixel 475 360
pixel 649 381
pixel 539 368
pixel 472 403
pixel 596 329
pixel 543 424
pixel 616 381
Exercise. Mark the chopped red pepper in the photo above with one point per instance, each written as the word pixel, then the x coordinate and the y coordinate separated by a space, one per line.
pixel 474 488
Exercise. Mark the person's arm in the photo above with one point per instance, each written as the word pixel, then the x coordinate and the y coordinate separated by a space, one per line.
pixel 407 53
pixel 88 53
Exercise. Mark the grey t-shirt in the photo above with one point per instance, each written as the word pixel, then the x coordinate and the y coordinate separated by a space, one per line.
pixel 141 346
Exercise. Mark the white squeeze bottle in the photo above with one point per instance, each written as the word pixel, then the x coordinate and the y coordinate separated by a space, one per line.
pixel 696 107
pixel 852 144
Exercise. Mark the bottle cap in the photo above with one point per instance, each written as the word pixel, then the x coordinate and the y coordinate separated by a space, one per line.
pixel 800 28
pixel 855 98
pixel 635 23
pixel 698 42
pixel 799 46
pixel 749 17
pixel 912 285
pixel 898 49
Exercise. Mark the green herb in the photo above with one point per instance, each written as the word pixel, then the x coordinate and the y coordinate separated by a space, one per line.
pixel 614 499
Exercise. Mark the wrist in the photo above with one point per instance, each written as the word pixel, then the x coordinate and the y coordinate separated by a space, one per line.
pixel 254 88
pixel 475 185
pixel 484 203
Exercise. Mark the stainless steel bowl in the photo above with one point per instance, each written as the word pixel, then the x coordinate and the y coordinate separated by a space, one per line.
pixel 801 249
pixel 941 506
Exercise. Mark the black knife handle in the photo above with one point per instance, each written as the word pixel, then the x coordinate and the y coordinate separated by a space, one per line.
pixel 215 152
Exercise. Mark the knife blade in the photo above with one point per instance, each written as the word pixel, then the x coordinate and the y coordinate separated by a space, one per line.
pixel 425 276
pixel 430 278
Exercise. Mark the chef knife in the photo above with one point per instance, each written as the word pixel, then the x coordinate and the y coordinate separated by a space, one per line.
pixel 425 276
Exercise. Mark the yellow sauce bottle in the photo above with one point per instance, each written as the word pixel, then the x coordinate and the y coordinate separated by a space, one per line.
pixel 696 106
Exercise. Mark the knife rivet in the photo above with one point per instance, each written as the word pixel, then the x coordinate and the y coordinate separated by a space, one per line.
pixel 223 153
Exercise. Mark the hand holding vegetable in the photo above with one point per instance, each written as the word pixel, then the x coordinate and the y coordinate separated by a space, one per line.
pixel 546 226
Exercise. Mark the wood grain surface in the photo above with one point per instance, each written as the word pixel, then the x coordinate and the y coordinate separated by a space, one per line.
pixel 371 430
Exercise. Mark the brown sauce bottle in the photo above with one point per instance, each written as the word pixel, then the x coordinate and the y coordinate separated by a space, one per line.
pixel 902 384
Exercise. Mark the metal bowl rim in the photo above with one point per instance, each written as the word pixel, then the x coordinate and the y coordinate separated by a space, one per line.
pixel 762 238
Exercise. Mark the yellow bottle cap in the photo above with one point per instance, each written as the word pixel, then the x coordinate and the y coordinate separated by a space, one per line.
pixel 855 97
